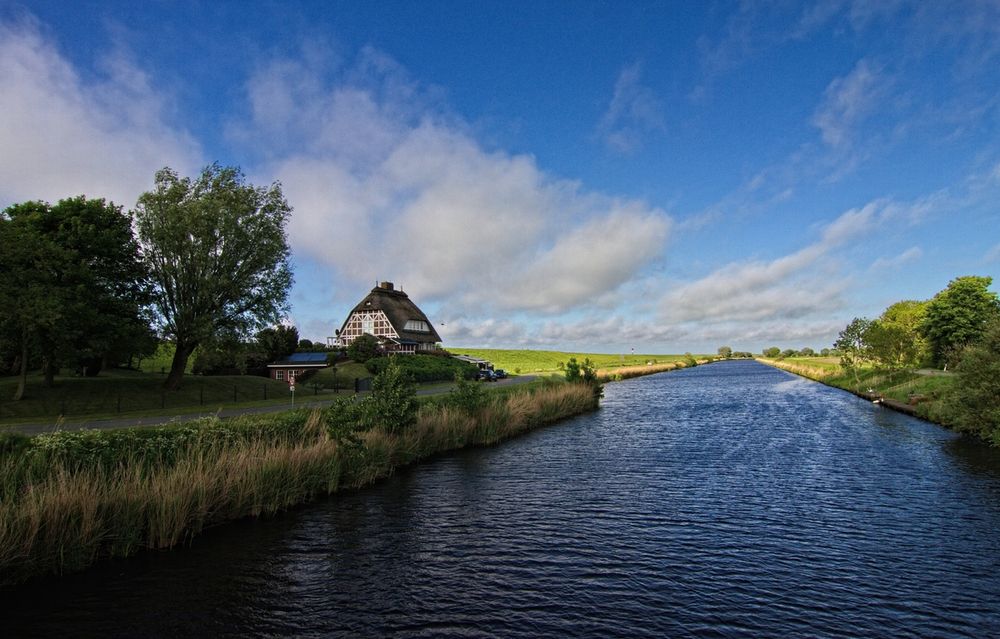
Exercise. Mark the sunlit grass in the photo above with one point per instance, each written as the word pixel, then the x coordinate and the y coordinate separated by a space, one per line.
pixel 529 361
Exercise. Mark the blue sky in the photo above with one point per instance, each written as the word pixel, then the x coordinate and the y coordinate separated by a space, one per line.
pixel 663 176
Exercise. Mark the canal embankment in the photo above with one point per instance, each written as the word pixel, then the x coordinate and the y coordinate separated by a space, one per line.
pixel 897 391
pixel 69 499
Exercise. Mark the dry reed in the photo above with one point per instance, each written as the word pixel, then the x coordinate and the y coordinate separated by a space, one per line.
pixel 74 513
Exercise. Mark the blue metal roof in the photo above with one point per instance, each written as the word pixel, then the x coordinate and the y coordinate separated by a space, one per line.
pixel 306 358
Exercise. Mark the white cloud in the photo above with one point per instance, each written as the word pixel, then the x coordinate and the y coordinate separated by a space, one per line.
pixel 62 137
pixel 847 101
pixel 793 286
pixel 634 113
pixel 388 185
pixel 909 255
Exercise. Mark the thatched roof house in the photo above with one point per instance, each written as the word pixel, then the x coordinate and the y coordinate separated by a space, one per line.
pixel 392 317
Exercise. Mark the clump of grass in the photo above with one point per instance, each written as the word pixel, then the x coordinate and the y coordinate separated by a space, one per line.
pixel 67 499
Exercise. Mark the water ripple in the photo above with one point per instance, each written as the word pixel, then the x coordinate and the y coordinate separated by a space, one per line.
pixel 730 500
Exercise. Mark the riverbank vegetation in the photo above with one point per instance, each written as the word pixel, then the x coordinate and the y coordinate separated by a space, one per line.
pixel 938 359
pixel 69 498
pixel 522 361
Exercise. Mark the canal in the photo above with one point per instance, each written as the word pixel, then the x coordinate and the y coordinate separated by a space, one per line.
pixel 721 501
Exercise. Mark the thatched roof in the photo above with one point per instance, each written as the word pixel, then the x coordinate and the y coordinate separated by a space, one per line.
pixel 399 308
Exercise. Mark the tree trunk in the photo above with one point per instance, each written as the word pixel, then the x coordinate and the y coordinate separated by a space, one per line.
pixel 23 377
pixel 50 372
pixel 181 355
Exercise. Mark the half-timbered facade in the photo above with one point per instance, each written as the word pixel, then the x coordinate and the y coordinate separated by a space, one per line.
pixel 393 318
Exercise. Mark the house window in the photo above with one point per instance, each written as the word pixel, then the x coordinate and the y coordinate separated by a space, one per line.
pixel 279 375
pixel 368 325
pixel 417 325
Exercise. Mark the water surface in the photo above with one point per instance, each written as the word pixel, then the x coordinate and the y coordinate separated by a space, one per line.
pixel 726 500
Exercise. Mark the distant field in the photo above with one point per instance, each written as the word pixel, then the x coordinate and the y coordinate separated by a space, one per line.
pixel 528 361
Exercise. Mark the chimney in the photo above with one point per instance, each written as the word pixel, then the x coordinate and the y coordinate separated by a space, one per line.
pixel 386 285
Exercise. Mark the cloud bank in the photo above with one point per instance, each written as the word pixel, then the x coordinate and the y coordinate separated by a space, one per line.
pixel 386 184
pixel 62 136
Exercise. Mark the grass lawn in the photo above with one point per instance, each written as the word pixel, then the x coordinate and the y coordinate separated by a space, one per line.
pixel 528 361
pixel 346 373
pixel 825 363
pixel 115 392
pixel 161 360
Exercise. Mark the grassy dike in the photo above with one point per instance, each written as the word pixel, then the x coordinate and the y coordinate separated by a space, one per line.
pixel 905 391
pixel 70 498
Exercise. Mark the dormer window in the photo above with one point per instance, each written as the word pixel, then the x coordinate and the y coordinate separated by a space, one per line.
pixel 418 326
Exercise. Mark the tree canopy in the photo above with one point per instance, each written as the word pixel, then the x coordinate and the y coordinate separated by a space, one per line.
pixel 217 253
pixel 74 291
pixel 973 399
pixel 958 316
pixel 363 348
pixel 278 342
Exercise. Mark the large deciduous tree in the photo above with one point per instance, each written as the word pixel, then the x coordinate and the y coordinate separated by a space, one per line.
pixel 218 255
pixel 958 316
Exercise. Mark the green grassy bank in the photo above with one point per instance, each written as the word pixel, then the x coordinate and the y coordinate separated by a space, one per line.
pixel 70 498
pixel 528 361
pixel 923 394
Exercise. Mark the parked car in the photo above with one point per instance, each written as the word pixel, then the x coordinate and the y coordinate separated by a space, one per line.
pixel 500 373
pixel 486 375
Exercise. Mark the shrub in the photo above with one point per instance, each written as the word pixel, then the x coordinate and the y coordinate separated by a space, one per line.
pixel 363 348
pixel 425 368
pixel 392 404
pixel 467 396
pixel 972 402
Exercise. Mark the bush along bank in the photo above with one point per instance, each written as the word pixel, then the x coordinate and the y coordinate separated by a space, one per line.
pixel 71 498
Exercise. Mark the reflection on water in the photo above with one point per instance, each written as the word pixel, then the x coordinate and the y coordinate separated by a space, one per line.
pixel 725 500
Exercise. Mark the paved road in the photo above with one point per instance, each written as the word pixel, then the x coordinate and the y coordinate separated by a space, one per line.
pixel 159 420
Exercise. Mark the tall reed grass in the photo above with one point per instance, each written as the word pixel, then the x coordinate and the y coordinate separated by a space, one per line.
pixel 68 499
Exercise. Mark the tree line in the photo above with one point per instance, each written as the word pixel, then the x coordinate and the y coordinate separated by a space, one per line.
pixel 929 333
pixel 85 284
pixel 958 330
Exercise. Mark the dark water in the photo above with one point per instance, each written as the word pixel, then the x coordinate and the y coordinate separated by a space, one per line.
pixel 722 501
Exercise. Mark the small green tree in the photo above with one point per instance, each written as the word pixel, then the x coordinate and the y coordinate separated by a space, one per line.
pixel 467 395
pixel 725 352
pixel 772 352
pixel 343 419
pixel 363 348
pixel 392 404
pixel 573 370
pixel 853 347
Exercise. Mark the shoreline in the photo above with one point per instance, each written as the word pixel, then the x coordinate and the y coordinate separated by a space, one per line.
pixel 73 498
pixel 873 397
